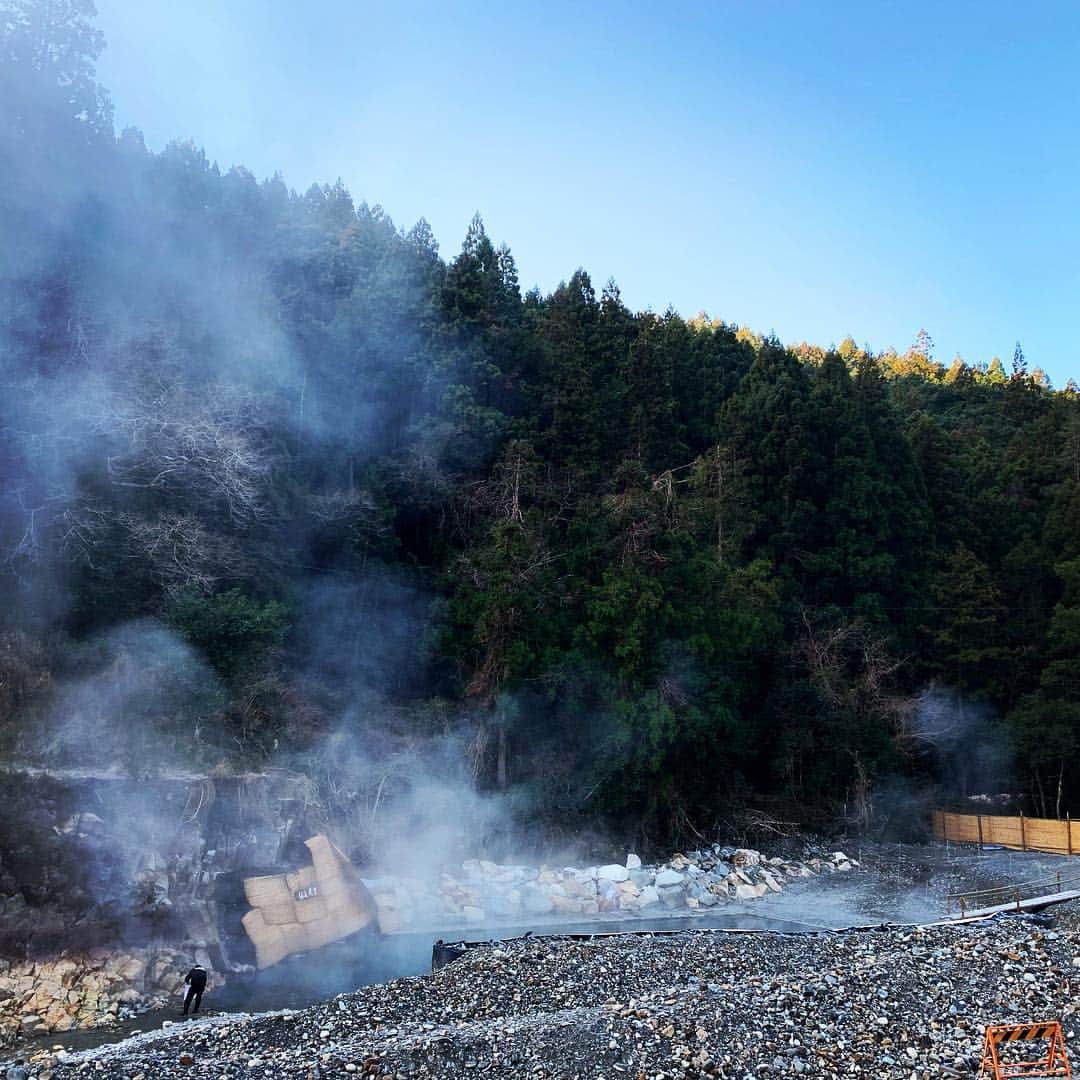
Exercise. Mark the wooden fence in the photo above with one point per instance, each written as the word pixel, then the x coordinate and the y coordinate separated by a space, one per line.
pixel 1021 833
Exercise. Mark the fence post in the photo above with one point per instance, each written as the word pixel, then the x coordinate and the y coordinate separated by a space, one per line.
pixel 978 819
pixel 1068 831
pixel 1023 832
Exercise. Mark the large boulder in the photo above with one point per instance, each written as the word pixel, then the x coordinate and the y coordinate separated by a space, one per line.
pixel 672 897
pixel 31 1024
pixel 770 882
pixel 64 1022
pixel 607 895
pixel 648 896
pixel 750 892
pixel 583 887
pixel 612 872
pixel 746 857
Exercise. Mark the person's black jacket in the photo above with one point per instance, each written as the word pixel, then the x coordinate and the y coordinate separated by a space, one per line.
pixel 197 977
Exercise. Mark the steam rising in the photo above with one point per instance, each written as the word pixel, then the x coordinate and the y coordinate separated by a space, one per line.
pixel 152 690
pixel 971 750
pixel 149 350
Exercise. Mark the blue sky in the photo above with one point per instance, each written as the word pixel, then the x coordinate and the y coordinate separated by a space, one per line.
pixel 814 168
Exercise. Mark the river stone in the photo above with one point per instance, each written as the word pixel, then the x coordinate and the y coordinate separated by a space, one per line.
pixel 607 894
pixel 579 887
pixel 612 872
pixel 771 883
pixel 746 857
pixel 667 878
pixel 750 892
pixel 671 897
pixel 649 896
pixel 633 862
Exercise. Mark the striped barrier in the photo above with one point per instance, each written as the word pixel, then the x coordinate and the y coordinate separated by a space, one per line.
pixel 1055 1063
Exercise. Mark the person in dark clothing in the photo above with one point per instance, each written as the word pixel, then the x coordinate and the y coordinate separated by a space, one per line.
pixel 196 984
pixel 18 1071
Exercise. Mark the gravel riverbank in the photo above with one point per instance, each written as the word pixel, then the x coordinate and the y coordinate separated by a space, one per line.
pixel 908 1003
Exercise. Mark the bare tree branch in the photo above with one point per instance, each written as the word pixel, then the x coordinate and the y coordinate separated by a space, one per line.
pixel 213 447
pixel 181 554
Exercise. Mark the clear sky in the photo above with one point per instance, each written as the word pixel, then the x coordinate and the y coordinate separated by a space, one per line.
pixel 814 167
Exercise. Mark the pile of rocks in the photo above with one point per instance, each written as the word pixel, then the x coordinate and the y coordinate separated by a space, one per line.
pixel 485 892
pixel 85 990
pixel 901 1003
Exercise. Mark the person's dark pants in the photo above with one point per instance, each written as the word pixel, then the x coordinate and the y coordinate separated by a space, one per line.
pixel 193 995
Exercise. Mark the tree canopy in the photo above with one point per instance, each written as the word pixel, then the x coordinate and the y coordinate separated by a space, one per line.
pixel 653 566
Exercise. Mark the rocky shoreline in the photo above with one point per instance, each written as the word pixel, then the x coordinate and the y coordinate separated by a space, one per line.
pixel 85 990
pixel 483 891
pixel 900 1002
pixel 97 988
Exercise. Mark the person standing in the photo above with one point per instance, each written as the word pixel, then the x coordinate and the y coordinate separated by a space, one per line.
pixel 196 984
pixel 18 1071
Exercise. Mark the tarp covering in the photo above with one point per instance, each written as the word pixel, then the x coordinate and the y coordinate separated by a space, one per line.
pixel 308 908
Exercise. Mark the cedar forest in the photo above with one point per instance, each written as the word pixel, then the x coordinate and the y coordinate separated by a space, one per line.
pixel 271 466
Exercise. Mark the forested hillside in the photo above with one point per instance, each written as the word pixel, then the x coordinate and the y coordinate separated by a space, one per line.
pixel 276 474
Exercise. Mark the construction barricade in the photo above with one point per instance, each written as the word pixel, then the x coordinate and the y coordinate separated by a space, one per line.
pixel 1002 1037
